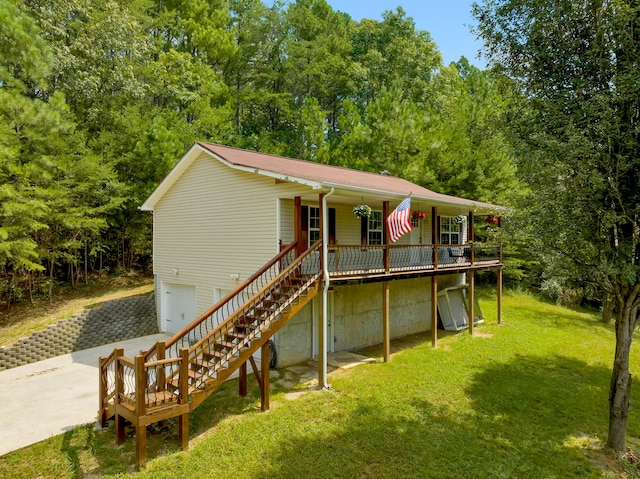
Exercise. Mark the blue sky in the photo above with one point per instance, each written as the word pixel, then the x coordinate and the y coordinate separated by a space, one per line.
pixel 446 20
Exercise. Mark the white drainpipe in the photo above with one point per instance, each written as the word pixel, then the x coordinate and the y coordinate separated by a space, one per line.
pixel 325 272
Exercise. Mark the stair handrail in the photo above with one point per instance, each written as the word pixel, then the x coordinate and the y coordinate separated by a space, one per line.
pixel 107 383
pixel 224 327
pixel 295 264
pixel 204 316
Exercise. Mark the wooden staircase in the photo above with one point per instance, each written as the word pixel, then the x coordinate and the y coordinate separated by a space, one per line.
pixel 174 377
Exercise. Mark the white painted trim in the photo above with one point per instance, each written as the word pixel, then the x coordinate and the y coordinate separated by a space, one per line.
pixel 172 177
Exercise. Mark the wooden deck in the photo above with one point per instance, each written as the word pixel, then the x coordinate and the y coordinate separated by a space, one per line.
pixel 348 262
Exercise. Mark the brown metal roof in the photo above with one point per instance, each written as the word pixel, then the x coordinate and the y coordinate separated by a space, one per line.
pixel 333 176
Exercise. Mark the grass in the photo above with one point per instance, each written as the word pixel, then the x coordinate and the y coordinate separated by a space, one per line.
pixel 526 399
pixel 27 318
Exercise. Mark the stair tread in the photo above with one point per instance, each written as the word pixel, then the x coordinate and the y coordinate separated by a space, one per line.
pixel 213 353
pixel 248 326
pixel 224 344
pixel 155 398
pixel 203 364
pixel 237 334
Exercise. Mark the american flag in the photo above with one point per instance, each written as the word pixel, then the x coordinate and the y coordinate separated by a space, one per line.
pixel 398 222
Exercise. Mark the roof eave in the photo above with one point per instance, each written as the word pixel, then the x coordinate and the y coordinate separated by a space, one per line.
pixel 473 205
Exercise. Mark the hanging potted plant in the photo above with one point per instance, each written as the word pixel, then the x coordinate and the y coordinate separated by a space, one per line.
pixel 362 211
pixel 418 215
pixel 459 219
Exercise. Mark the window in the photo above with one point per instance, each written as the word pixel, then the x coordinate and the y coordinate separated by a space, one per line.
pixel 310 225
pixel 314 224
pixel 374 230
pixel 450 232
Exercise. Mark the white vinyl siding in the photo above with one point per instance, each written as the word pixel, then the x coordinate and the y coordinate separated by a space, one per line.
pixel 287 233
pixel 347 225
pixel 216 222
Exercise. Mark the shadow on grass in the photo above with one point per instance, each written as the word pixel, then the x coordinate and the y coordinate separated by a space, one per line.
pixel 519 422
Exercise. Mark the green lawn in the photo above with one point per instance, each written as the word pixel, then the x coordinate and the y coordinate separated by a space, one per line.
pixel 527 399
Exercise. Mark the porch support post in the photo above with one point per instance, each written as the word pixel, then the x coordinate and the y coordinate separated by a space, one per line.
pixel 264 366
pixel 471 238
pixel 183 420
pixel 500 274
pixel 242 380
pixel 141 446
pixel 434 311
pixel 472 275
pixel 322 371
pixel 386 330
pixel 323 223
pixel 297 224
pixel 385 235
pixel 499 296
pixel 434 235
pixel 472 300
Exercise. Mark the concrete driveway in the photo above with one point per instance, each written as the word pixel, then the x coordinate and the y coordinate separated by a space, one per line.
pixel 53 396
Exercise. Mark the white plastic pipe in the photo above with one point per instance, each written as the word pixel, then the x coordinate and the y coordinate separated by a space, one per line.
pixel 325 272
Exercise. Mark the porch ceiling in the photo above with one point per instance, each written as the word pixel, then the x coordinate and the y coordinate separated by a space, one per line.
pixel 351 198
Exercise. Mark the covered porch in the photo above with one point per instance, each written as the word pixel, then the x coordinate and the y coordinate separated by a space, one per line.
pixel 420 255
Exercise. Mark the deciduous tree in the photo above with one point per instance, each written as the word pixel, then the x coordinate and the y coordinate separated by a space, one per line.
pixel 577 64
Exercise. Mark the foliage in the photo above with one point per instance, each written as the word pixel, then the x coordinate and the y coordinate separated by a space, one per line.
pixel 362 211
pixel 54 192
pixel 112 93
pixel 577 129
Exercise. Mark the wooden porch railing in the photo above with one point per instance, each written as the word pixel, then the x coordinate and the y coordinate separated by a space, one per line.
pixel 351 260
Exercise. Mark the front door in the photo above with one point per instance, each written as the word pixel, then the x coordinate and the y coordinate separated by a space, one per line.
pixel 416 239
pixel 178 306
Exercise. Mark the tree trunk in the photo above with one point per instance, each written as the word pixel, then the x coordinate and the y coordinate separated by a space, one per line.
pixel 51 264
pixel 86 260
pixel 620 388
pixel 30 282
pixel 608 307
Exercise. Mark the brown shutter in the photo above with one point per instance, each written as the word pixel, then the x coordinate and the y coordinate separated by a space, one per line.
pixel 304 228
pixel 332 226
pixel 364 227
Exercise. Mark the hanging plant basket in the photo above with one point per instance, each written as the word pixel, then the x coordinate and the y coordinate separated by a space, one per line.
pixel 418 215
pixel 459 219
pixel 362 211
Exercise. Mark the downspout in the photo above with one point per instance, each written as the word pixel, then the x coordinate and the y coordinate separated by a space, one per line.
pixel 325 288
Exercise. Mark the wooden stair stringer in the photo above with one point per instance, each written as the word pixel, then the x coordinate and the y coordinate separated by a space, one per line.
pixel 210 385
